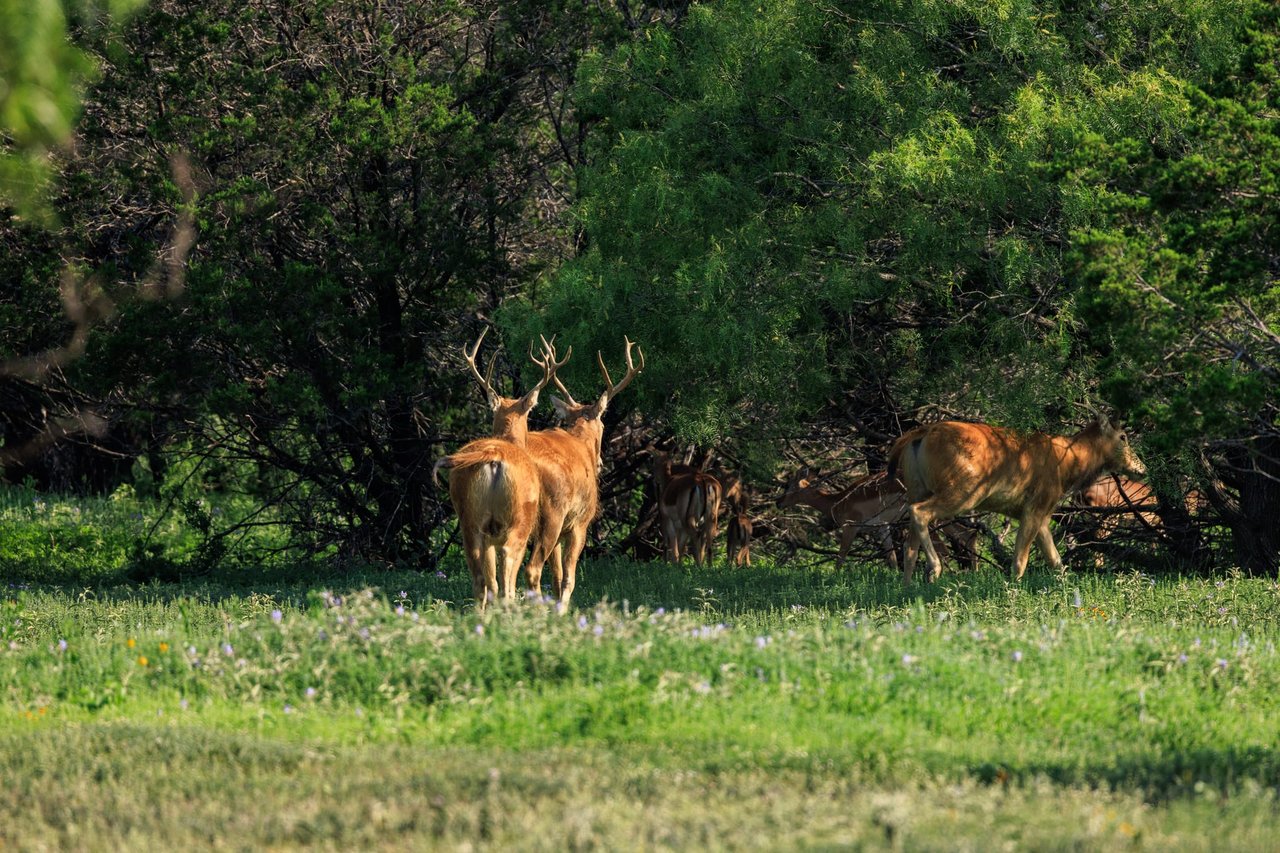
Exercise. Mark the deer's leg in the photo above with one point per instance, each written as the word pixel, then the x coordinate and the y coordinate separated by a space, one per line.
pixel 670 537
pixel 886 545
pixel 486 583
pixel 557 569
pixel 576 541
pixel 548 540
pixel 921 515
pixel 1028 529
pixel 473 549
pixel 1045 538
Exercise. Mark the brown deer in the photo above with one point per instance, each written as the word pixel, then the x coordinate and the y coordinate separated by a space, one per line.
pixel 568 462
pixel 869 507
pixel 494 485
pixel 952 468
pixel 1120 502
pixel 689 509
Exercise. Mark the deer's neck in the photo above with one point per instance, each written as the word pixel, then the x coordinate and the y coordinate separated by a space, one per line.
pixel 511 426
pixel 1079 463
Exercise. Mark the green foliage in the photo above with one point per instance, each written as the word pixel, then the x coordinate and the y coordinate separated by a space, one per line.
pixel 92 541
pixel 42 75
pixel 791 203
pixel 1181 267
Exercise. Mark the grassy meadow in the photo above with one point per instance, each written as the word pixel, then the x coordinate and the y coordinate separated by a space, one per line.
pixel 771 707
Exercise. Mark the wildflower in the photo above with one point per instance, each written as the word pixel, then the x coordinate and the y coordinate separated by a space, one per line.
pixel 311 692
pixel 403 594
pixel 227 650
pixel 191 650
pixel 1076 600
pixel 660 611
pixel 164 647
pixel 582 622
pixel 1221 663
pixel 907 660
pixel 183 703
pixel 62 645
pixel 276 616
pixel 131 642
pixel 288 709
pixel 480 630
pixel 1182 658
pixel 441 575
pixel 399 609
pixel 761 642
pixel 142 660
pixel 1017 656
pixel 598 630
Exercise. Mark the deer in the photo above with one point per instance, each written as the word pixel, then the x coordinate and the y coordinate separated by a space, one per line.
pixel 951 468
pixel 1119 501
pixel 688 507
pixel 494 484
pixel 568 461
pixel 869 507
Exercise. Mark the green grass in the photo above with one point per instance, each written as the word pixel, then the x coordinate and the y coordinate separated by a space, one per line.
pixel 774 707
pixel 765 707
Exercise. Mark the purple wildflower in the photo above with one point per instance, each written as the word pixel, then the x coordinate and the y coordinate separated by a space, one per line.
pixel 276 616
pixel 62 645
pixel 1017 656
pixel 311 692
pixel 227 650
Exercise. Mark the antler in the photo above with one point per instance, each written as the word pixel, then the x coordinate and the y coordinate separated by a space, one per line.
pixel 485 385
pixel 612 390
pixel 548 363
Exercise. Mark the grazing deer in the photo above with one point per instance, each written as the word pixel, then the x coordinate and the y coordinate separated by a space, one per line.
pixel 1122 501
pixel 951 468
pixel 494 485
pixel 689 508
pixel 568 462
pixel 869 507
pixel 739 540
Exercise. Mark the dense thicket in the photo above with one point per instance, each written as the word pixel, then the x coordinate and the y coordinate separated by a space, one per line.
pixel 859 214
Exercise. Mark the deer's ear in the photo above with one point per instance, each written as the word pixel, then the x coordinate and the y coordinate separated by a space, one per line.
pixel 561 407
pixel 528 401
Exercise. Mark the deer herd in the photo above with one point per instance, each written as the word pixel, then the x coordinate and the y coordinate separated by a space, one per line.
pixel 518 485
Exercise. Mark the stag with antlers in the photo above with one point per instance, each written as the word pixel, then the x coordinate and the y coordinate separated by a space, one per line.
pixel 568 462
pixel 494 483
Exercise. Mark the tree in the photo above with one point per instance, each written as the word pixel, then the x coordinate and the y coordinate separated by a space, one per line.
pixel 1181 277
pixel 800 208
pixel 372 180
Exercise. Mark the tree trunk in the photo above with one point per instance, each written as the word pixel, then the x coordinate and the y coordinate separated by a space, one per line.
pixel 1256 534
